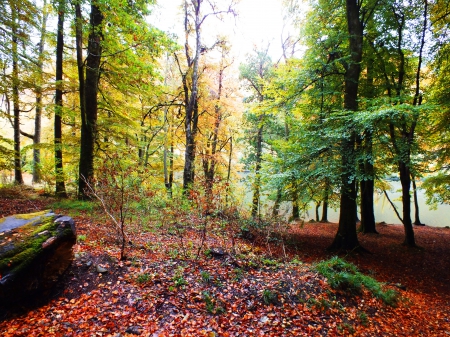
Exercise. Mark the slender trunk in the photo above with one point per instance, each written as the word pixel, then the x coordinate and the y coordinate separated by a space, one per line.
pixel 367 187
pixel 38 116
pixel 212 160
pixel 317 210
pixel 417 221
pixel 191 104
pixel 405 179
pixel 18 179
pixel 60 188
pixel 325 201
pixel 257 182
pixel 276 205
pixel 295 207
pixel 346 237
pixel 418 101
pixel 325 209
pixel 230 156
pixel 367 184
pixel 89 120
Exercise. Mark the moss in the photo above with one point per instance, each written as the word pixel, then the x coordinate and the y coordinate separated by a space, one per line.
pixel 27 244
pixel 30 216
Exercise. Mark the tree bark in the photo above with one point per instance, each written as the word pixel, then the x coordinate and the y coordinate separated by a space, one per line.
pixel 60 188
pixel 325 202
pixel 38 116
pixel 18 179
pixel 191 103
pixel 405 179
pixel 346 237
pixel 257 182
pixel 89 118
pixel 417 221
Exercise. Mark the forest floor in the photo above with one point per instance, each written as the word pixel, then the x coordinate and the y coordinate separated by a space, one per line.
pixel 267 289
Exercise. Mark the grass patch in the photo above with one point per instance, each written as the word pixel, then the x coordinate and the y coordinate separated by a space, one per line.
pixel 345 276
pixel 75 205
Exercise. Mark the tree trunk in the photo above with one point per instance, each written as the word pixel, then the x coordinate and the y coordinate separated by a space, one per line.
pixel 230 156
pixel 89 119
pixel 367 187
pixel 295 208
pixel 405 179
pixel 37 118
pixel 346 237
pixel 60 188
pixel 18 179
pixel 325 202
pixel 276 205
pixel 191 103
pixel 257 182
pixel 417 221
pixel 317 210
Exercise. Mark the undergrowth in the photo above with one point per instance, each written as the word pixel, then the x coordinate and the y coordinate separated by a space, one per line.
pixel 345 276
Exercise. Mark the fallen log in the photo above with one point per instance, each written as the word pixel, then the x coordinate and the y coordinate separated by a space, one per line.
pixel 35 250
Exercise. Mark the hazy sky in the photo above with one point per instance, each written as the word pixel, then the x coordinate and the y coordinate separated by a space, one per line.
pixel 259 22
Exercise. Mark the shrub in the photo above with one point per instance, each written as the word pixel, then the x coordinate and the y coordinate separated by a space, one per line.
pixel 345 276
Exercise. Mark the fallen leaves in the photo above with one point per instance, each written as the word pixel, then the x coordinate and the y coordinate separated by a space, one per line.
pixel 155 293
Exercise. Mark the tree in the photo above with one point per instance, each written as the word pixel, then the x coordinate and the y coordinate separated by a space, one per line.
pixel 346 237
pixel 60 188
pixel 194 18
pixel 256 72
pixel 90 90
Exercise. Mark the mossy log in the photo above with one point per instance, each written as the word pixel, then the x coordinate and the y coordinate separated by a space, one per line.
pixel 35 249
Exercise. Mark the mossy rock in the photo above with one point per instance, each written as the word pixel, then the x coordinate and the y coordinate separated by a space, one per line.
pixel 35 249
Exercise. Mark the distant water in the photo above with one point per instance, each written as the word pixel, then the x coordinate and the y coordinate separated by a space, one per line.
pixel 383 209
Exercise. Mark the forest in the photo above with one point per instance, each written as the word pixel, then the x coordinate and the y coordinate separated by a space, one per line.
pixel 172 154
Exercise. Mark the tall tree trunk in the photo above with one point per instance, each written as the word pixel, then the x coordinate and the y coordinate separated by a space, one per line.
pixel 60 188
pixel 325 201
pixel 89 119
pixel 405 179
pixel 367 184
pixel 211 159
pixel 295 207
pixel 37 118
pixel 367 188
pixel 346 237
pixel 230 156
pixel 418 101
pixel 417 221
pixel 257 181
pixel 18 179
pixel 191 104
pixel 317 210
pixel 276 205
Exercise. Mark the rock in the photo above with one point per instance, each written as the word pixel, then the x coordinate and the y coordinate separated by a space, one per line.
pixel 35 249
pixel 100 269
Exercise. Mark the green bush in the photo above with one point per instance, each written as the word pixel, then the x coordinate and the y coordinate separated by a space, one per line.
pixel 345 276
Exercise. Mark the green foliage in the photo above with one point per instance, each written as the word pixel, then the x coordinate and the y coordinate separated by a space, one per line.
pixel 81 237
pixel 238 274
pixel 269 262
pixel 143 278
pixel 76 205
pixel 269 297
pixel 206 276
pixel 178 278
pixel 212 306
pixel 345 276
pixel 437 189
pixel 363 318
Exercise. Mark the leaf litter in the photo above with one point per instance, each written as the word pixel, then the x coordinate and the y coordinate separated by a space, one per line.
pixel 156 292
